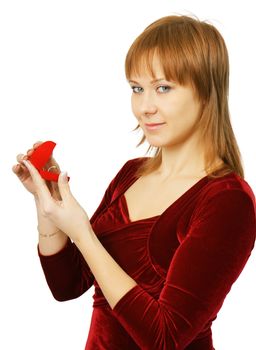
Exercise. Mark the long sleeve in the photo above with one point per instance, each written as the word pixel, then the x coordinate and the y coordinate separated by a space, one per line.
pixel 67 273
pixel 219 241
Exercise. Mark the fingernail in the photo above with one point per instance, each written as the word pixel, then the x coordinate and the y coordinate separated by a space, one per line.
pixel 27 163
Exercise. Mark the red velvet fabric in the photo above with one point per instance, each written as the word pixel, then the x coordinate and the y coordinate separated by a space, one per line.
pixel 184 262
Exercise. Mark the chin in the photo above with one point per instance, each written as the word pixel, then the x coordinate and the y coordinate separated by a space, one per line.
pixel 155 143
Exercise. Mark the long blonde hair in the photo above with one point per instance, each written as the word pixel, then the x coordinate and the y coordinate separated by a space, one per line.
pixel 191 51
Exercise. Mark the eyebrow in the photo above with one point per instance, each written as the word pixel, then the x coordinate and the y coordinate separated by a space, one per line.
pixel 152 82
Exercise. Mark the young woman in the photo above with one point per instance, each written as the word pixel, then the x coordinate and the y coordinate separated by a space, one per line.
pixel 174 230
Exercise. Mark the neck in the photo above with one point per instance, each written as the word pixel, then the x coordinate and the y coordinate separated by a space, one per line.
pixel 186 160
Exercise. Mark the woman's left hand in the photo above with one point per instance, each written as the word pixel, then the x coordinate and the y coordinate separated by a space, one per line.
pixel 67 214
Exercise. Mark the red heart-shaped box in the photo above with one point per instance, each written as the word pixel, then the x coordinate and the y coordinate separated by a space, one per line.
pixel 40 157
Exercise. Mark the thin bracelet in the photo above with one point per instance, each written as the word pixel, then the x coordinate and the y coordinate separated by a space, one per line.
pixel 48 235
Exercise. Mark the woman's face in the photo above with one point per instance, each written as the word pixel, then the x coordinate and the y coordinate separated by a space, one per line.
pixel 165 102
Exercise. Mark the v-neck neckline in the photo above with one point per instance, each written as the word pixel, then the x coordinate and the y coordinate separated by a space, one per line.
pixel 171 206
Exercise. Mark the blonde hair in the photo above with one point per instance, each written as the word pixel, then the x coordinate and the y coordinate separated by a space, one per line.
pixel 191 52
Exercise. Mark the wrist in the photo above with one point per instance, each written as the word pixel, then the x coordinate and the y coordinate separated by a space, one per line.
pixel 85 238
pixel 49 233
pixel 44 223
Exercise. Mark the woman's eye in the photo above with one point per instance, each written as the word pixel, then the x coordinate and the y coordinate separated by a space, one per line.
pixel 165 88
pixel 135 87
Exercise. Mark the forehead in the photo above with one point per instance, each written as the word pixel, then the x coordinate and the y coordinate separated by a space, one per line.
pixel 147 68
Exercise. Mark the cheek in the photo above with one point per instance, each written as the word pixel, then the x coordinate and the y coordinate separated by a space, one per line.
pixel 181 119
pixel 182 112
pixel 134 108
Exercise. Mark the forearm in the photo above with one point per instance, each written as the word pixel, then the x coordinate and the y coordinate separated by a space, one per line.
pixel 53 244
pixel 66 272
pixel 112 279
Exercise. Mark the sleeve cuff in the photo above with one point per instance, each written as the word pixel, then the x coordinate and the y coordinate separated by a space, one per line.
pixel 65 250
pixel 124 305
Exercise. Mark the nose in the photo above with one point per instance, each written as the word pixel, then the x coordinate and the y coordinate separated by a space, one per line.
pixel 147 105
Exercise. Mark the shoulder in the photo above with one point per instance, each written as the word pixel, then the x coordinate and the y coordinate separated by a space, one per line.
pixel 135 161
pixel 226 212
pixel 125 172
pixel 230 185
pixel 130 166
pixel 229 196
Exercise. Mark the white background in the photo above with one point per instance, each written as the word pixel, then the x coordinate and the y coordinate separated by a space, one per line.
pixel 62 79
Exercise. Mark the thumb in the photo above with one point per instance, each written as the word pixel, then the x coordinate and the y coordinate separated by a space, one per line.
pixel 64 185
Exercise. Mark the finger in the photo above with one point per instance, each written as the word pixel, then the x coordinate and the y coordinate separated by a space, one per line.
pixel 52 186
pixel 19 169
pixel 64 186
pixel 20 157
pixel 54 189
pixel 41 188
pixel 36 144
pixel 16 168
pixel 30 151
pixel 21 172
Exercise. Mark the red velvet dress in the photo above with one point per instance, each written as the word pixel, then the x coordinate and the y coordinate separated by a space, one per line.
pixel 184 262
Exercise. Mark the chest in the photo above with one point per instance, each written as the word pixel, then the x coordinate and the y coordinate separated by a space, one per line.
pixel 146 198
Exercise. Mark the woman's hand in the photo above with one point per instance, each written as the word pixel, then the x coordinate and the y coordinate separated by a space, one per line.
pixel 66 214
pixel 24 176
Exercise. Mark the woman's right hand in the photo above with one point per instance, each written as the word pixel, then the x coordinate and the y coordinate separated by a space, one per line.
pixel 23 174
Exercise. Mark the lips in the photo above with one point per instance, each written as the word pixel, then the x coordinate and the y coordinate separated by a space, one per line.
pixel 153 124
pixel 152 127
